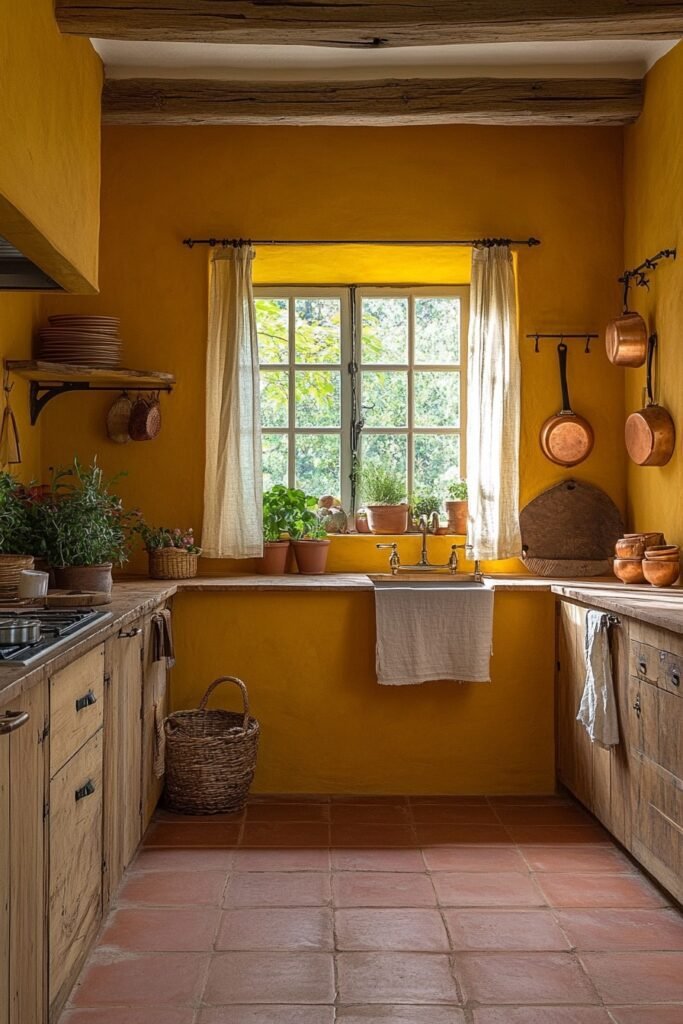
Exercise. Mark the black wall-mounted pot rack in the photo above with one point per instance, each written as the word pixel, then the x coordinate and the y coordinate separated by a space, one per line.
pixel 537 337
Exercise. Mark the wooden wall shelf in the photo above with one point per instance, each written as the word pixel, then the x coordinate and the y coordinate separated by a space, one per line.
pixel 47 380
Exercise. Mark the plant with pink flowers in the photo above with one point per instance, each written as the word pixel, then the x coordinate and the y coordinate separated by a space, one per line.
pixel 158 537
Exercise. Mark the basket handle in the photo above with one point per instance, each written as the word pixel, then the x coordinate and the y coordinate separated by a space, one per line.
pixel 228 679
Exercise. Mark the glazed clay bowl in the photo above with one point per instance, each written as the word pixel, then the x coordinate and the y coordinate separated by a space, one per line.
pixel 649 539
pixel 661 574
pixel 663 553
pixel 629 570
pixel 630 547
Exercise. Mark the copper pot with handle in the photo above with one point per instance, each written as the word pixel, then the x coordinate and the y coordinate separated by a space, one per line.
pixel 566 438
pixel 650 433
pixel 626 336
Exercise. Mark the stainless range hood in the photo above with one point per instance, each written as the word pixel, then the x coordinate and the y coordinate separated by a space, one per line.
pixel 20 274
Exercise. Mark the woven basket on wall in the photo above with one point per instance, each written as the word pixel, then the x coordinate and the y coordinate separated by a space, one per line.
pixel 11 567
pixel 172 564
pixel 210 756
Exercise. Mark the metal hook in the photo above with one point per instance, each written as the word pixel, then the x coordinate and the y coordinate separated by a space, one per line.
pixel 536 345
pixel 587 349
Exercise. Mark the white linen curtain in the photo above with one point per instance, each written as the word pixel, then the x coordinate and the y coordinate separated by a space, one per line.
pixel 493 407
pixel 233 517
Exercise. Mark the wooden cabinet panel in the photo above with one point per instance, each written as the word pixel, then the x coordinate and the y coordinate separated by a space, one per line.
pixel 154 710
pixel 75 865
pixel 76 706
pixel 4 879
pixel 621 768
pixel 574 753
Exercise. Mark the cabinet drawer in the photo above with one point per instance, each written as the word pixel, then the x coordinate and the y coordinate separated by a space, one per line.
pixel 75 865
pixel 656 665
pixel 76 703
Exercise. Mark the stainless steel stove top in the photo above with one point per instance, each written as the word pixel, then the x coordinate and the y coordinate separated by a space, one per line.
pixel 58 628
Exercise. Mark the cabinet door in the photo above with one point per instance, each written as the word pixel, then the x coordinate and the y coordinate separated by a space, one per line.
pixel 22 861
pixel 574 753
pixel 154 710
pixel 122 754
pixel 623 762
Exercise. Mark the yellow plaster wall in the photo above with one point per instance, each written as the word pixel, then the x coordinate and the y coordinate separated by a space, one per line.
pixel 50 143
pixel 328 727
pixel 19 315
pixel 653 189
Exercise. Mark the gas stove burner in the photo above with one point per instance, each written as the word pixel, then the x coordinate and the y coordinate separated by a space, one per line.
pixel 57 628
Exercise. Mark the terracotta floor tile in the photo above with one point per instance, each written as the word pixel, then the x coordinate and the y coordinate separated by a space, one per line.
pixel 402 977
pixel 287 811
pixel 278 889
pixel 474 858
pixel 541 1015
pixel 486 889
pixel 529 800
pixel 613 930
pixel 456 814
pixel 267 1015
pixel 289 798
pixel 200 834
pixel 599 890
pixel 130 1015
pixel 416 801
pixel 281 859
pixel 455 835
pixel 577 858
pixel 286 834
pixel 555 835
pixel 636 977
pixel 176 859
pixel 384 859
pixel 162 814
pixel 174 888
pixel 270 978
pixel 368 798
pixel 527 978
pixel 549 815
pixel 400 1015
pixel 361 835
pixel 147 929
pixel 504 930
pixel 169 979
pixel 391 930
pixel 671 1014
pixel 369 814
pixel 299 928
pixel 382 889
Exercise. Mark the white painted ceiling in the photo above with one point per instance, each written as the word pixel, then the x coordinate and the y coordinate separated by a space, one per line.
pixel 628 58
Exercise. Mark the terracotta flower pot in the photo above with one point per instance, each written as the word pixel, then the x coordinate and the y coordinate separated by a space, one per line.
pixel 85 578
pixel 387 518
pixel 362 523
pixel 457 516
pixel 274 561
pixel 311 555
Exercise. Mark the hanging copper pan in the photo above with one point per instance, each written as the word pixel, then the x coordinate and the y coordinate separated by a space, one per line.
pixel 566 438
pixel 626 337
pixel 650 433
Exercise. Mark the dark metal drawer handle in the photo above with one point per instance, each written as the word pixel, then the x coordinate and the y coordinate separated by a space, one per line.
pixel 676 677
pixel 642 667
pixel 11 720
pixel 87 790
pixel 86 701
pixel 636 706
pixel 123 633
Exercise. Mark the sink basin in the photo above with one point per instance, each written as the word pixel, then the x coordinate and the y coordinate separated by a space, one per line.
pixel 426 579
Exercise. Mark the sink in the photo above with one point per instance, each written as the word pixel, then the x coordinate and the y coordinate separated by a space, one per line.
pixel 426 579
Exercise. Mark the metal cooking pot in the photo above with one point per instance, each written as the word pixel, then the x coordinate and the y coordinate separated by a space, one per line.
pixel 566 438
pixel 650 433
pixel 19 631
pixel 626 336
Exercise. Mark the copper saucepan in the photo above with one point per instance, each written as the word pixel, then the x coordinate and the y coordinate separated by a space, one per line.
pixel 626 337
pixel 566 438
pixel 650 433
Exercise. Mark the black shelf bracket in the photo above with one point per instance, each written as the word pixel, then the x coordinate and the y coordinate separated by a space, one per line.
pixel 41 393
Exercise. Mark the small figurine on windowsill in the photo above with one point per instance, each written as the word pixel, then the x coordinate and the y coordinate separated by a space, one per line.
pixel 332 515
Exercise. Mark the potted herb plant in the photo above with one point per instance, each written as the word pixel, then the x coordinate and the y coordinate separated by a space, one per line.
pixel 384 501
pixel 82 528
pixel 16 533
pixel 279 508
pixel 424 505
pixel 456 507
pixel 307 532
pixel 173 553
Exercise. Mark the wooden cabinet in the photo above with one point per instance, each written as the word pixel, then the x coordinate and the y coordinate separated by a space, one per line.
pixel 574 748
pixel 76 706
pixel 22 858
pixel 154 710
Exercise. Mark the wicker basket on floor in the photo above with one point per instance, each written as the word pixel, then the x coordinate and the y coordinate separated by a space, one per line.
pixel 210 756
pixel 172 564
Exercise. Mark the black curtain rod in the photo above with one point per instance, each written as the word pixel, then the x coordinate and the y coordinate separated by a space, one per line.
pixel 484 243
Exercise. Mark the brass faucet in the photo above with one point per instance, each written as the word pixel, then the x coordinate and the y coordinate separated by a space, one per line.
pixel 424 563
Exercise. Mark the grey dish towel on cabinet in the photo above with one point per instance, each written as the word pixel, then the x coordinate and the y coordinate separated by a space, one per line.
pixel 433 632
pixel 598 710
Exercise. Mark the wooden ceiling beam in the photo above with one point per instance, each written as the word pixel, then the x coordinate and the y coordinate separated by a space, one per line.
pixel 149 101
pixel 370 23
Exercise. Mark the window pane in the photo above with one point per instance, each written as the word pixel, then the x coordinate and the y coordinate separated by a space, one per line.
pixel 272 328
pixel 318 398
pixel 317 330
pixel 274 398
pixel 385 398
pixel 387 450
pixel 436 399
pixel 275 454
pixel 384 330
pixel 318 464
pixel 435 455
pixel 437 331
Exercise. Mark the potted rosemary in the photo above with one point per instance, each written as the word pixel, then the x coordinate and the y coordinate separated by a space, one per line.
pixel 173 553
pixel 383 494
pixel 17 538
pixel 456 507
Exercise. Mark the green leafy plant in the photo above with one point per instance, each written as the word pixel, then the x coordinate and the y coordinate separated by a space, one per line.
pixel 457 490
pixel 79 521
pixel 156 537
pixel 380 486
pixel 314 530
pixel 17 530
pixel 290 510
pixel 425 504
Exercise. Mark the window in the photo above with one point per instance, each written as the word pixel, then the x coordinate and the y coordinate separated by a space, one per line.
pixel 400 358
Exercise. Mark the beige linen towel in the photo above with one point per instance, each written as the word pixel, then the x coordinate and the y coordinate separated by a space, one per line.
pixel 429 631
pixel 598 710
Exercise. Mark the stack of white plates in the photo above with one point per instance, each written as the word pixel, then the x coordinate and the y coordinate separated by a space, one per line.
pixel 85 340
